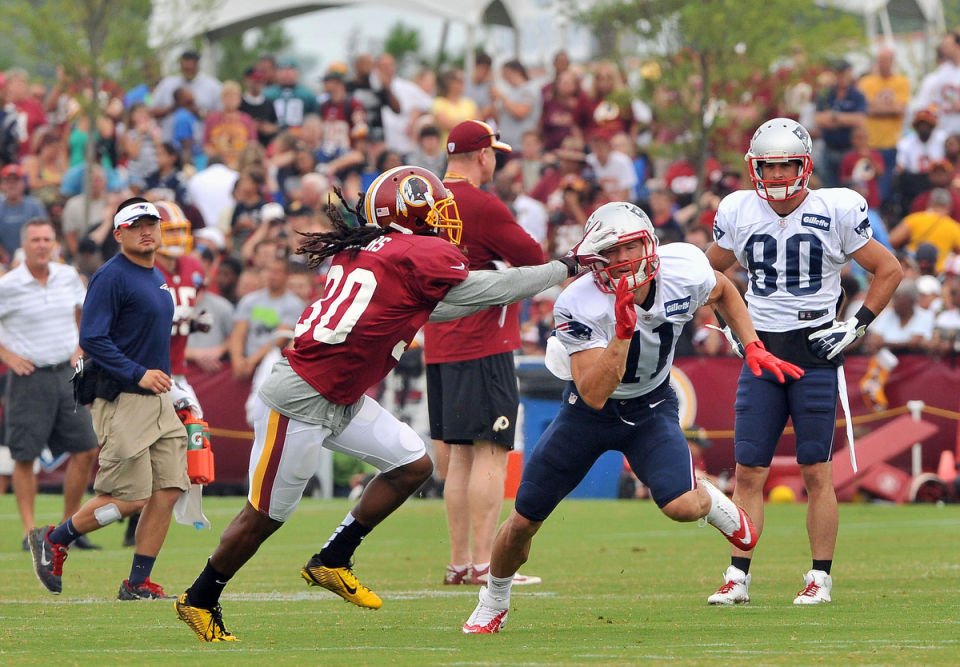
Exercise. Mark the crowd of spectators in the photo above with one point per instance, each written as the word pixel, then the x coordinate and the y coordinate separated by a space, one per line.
pixel 253 162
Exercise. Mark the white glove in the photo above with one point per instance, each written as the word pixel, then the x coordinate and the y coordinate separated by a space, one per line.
pixel 731 337
pixel 829 342
pixel 184 399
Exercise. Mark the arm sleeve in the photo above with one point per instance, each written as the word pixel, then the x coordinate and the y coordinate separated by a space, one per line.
pixel 483 289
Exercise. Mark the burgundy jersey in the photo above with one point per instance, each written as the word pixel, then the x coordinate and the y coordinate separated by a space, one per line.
pixel 490 233
pixel 184 283
pixel 372 307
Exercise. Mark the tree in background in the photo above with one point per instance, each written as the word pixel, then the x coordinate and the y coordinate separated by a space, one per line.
pixel 402 42
pixel 92 41
pixel 238 52
pixel 706 62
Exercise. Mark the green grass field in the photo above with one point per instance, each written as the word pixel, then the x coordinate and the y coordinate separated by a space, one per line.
pixel 622 585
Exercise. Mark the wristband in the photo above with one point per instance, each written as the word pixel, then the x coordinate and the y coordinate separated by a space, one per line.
pixel 864 317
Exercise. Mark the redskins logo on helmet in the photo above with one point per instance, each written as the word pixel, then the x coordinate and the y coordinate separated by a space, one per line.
pixel 412 200
pixel 175 237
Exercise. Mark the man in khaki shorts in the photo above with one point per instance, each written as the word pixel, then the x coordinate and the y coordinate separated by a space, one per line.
pixel 125 331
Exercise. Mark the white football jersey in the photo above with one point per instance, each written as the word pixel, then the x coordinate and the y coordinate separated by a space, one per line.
pixel 585 319
pixel 941 88
pixel 916 156
pixel 793 263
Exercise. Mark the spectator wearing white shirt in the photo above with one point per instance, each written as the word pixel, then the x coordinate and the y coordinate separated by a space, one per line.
pixel 40 303
pixel 903 326
pixel 212 190
pixel 946 327
pixel 205 88
pixel 612 169
pixel 530 214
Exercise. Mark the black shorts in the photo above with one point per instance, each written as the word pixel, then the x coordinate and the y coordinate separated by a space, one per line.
pixel 474 400
pixel 40 412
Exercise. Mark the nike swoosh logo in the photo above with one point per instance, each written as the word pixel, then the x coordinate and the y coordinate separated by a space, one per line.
pixel 653 405
pixel 460 267
pixel 352 590
pixel 44 558
pixel 222 583
pixel 743 535
pixel 863 208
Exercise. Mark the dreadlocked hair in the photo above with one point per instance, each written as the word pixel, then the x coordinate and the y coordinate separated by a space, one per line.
pixel 317 246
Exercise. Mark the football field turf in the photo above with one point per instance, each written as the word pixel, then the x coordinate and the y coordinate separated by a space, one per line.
pixel 622 585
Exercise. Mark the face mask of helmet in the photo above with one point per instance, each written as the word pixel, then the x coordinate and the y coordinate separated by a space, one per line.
pixel 176 239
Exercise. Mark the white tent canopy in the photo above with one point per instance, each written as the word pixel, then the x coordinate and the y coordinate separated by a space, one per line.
pixel 174 21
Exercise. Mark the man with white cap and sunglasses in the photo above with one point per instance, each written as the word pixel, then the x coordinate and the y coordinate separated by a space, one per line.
pixel 125 333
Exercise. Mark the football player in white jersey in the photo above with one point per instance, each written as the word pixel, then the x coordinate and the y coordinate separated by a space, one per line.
pixel 794 242
pixel 615 339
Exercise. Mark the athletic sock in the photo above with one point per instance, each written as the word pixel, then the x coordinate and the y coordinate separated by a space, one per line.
pixel 339 549
pixel 141 569
pixel 822 565
pixel 499 587
pixel 65 533
pixel 742 564
pixel 206 590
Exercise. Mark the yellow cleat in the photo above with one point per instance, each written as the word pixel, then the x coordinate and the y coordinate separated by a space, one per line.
pixel 207 623
pixel 340 580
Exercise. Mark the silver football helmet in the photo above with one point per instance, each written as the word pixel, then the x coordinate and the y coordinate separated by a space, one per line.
pixel 618 223
pixel 780 140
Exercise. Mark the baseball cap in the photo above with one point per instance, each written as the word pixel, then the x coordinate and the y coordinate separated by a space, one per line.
pixel 129 214
pixel 472 135
pixel 272 211
pixel 926 252
pixel 12 169
pixel 927 115
pixel 928 285
pixel 253 73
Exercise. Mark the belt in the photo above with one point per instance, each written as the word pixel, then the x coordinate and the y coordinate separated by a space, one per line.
pixel 56 367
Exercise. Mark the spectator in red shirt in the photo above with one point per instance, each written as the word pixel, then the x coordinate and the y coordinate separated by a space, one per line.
pixel 863 165
pixel 29 110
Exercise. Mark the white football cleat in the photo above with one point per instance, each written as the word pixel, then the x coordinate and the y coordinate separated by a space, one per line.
pixel 729 519
pixel 489 616
pixel 817 585
pixel 735 589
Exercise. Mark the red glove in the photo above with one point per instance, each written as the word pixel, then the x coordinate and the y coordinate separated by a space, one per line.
pixel 758 358
pixel 624 311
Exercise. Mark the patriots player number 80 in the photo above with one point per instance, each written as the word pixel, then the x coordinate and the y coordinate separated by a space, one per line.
pixel 800 280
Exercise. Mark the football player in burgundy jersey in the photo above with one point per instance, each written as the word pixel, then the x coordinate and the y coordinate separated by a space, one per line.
pixel 387 278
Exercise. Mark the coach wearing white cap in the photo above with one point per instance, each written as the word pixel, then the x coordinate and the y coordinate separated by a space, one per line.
pixel 125 333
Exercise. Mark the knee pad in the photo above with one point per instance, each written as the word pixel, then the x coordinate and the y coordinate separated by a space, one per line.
pixel 107 514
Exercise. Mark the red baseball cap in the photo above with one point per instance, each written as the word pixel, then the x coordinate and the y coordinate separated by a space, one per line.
pixel 472 135
pixel 12 169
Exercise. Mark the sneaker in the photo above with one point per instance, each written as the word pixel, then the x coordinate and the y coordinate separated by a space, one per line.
pixel 145 591
pixel 817 585
pixel 489 616
pixel 480 578
pixel 735 589
pixel 455 576
pixel 47 559
pixel 729 519
pixel 340 580
pixel 83 542
pixel 26 543
pixel 206 622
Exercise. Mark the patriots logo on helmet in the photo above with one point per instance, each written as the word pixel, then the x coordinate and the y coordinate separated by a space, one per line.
pixel 802 134
pixel 575 329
